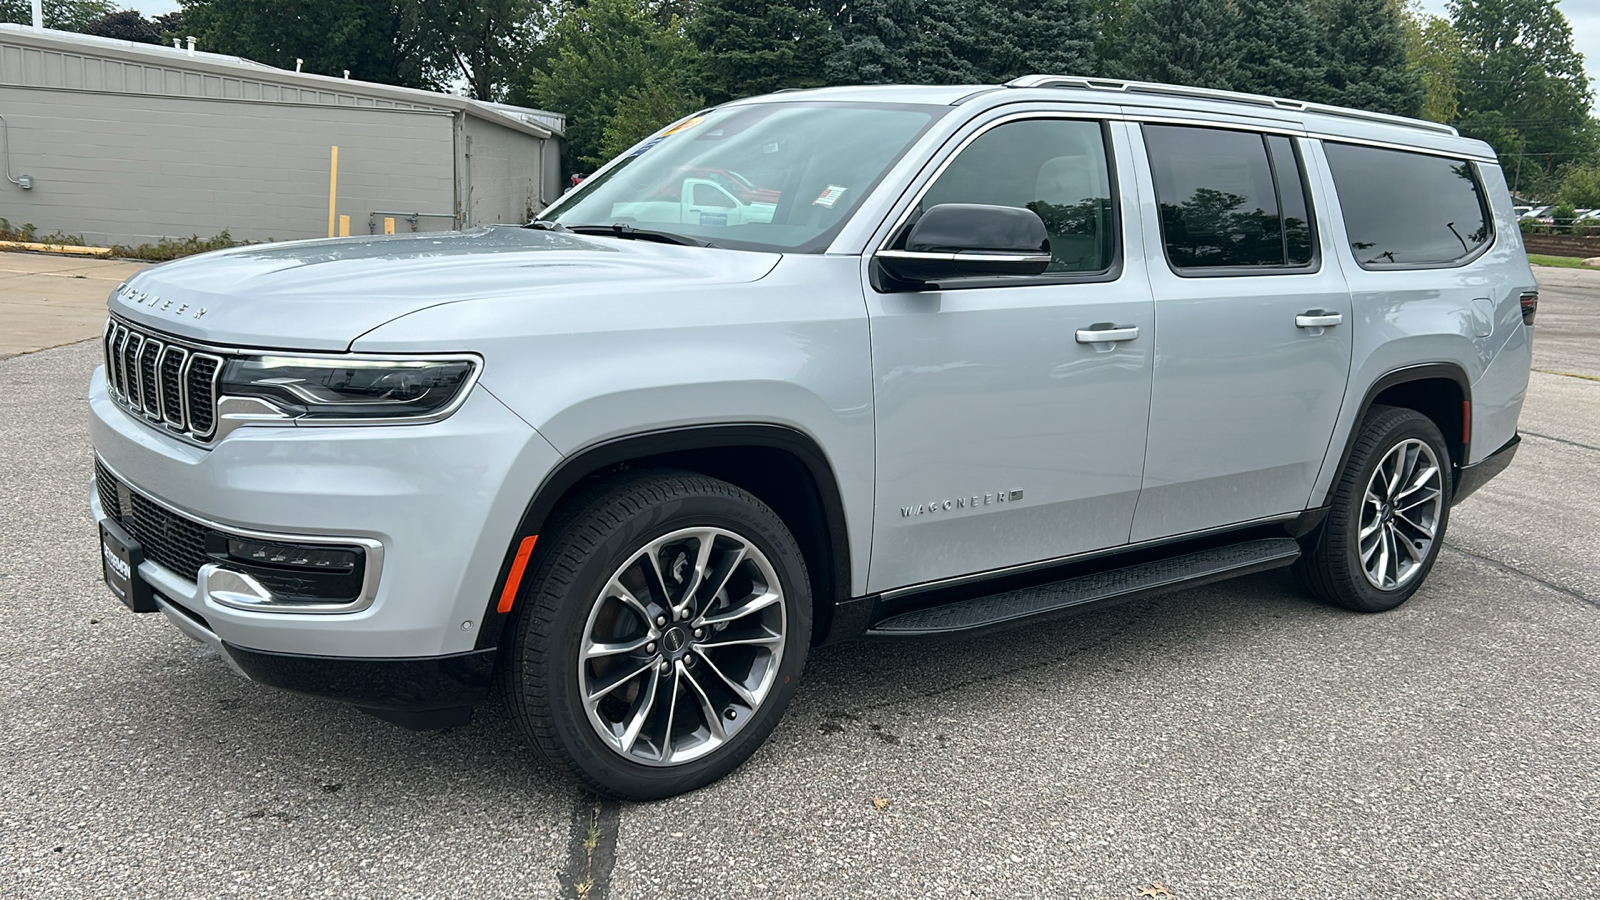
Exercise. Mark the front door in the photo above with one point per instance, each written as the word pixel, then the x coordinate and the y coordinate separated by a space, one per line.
pixel 1253 330
pixel 1007 433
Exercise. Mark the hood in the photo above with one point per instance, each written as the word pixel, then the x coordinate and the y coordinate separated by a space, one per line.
pixel 323 294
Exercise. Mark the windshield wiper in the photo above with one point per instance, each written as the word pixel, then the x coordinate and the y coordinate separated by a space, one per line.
pixel 546 225
pixel 628 232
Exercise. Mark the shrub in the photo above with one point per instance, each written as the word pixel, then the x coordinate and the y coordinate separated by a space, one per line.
pixel 167 248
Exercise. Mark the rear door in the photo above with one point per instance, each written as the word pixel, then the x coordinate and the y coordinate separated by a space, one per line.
pixel 1004 436
pixel 1253 330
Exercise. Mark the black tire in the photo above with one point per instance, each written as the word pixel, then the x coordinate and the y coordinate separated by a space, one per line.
pixel 1331 566
pixel 604 532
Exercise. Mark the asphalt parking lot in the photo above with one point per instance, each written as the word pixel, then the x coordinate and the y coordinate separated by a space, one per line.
pixel 1232 741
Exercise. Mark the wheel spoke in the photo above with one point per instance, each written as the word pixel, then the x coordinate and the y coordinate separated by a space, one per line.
pixel 753 605
pixel 620 591
pixel 1425 533
pixel 736 687
pixel 595 651
pixel 765 640
pixel 702 558
pixel 643 708
pixel 708 712
pixel 1411 551
pixel 613 683
pixel 672 709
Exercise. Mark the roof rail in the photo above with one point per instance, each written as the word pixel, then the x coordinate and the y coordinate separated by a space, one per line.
pixel 1178 90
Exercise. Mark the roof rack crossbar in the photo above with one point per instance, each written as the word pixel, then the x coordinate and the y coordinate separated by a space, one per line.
pixel 1177 90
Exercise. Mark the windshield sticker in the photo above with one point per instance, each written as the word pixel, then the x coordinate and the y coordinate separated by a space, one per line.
pixel 685 125
pixel 830 196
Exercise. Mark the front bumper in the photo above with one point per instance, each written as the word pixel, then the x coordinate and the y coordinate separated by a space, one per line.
pixel 442 500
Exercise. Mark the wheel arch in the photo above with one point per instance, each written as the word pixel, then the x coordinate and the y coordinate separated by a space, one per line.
pixel 1440 391
pixel 783 467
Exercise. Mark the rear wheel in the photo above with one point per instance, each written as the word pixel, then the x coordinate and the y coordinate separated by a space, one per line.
pixel 663 636
pixel 1388 516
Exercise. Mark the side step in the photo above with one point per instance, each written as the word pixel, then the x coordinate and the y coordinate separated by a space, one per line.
pixel 1143 579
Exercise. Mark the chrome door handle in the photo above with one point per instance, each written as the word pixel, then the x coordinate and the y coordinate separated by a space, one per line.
pixel 1102 334
pixel 1317 319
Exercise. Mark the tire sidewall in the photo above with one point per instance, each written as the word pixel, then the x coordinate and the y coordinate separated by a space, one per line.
pixel 584 748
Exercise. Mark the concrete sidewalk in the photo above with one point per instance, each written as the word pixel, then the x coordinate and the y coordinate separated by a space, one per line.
pixel 47 301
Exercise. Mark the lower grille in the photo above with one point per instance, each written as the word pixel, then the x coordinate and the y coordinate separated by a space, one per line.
pixel 182 545
pixel 172 541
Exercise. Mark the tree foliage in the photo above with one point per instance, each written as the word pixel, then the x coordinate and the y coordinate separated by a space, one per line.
pixel 759 46
pixel 64 15
pixel 1183 42
pixel 1279 44
pixel 616 71
pixel 874 42
pixel 376 40
pixel 1522 84
pixel 1433 52
pixel 1365 55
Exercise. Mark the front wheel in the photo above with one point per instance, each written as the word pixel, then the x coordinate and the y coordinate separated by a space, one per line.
pixel 663 636
pixel 1387 519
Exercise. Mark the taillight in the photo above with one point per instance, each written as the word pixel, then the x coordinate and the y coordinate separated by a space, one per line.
pixel 1530 306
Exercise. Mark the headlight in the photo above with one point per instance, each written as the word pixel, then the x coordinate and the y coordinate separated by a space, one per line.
pixel 322 388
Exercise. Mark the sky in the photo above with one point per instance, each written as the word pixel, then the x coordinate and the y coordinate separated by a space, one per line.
pixel 1584 15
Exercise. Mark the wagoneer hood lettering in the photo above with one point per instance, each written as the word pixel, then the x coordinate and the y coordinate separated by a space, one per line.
pixel 322 295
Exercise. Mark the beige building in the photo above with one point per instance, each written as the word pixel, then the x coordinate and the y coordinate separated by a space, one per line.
pixel 128 143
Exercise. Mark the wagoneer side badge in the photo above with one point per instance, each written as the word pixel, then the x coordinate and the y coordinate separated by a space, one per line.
pixel 974 501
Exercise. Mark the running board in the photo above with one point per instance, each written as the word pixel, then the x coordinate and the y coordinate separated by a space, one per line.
pixel 1141 580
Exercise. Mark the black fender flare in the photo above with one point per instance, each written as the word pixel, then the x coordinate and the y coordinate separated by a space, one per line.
pixel 612 452
pixel 1403 375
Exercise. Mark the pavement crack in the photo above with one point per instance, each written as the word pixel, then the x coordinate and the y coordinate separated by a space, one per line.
pixel 1546 437
pixel 592 852
pixel 1568 374
pixel 1509 569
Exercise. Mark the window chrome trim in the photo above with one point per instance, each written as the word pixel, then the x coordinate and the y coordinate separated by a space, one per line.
pixel 370 576
pixel 968 257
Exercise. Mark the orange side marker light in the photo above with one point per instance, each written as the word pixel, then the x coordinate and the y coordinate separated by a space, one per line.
pixel 514 580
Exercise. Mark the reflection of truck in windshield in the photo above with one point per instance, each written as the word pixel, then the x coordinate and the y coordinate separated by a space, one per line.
pixel 720 198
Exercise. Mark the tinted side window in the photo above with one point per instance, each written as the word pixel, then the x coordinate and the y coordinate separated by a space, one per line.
pixel 1229 199
pixel 1055 167
pixel 1408 209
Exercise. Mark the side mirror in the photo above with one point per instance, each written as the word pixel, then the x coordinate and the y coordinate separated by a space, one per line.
pixel 970 240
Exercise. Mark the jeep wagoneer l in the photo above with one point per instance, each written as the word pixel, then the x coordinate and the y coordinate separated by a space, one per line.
pixel 886 361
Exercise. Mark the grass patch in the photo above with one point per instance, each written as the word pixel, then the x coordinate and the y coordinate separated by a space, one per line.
pixel 1563 262
pixel 28 234
pixel 167 248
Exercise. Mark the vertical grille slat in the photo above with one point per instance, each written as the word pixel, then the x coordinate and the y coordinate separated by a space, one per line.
pixel 202 392
pixel 162 381
pixel 172 386
pixel 150 376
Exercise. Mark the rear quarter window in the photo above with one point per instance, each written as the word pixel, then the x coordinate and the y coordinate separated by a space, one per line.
pixel 1407 210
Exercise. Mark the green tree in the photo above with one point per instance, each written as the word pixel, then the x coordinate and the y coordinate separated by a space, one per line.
pixel 1365 54
pixel 125 25
pixel 1522 83
pixel 874 42
pixel 615 71
pixel 1580 186
pixel 1114 17
pixel 1186 42
pixel 1433 52
pixel 63 15
pixel 485 42
pixel 376 40
pixel 758 46
pixel 946 48
pixel 1279 46
pixel 1053 37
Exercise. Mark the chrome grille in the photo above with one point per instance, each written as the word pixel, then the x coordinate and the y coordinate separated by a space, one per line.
pixel 166 383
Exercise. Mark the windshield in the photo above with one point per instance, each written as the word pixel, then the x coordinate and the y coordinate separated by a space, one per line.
pixel 768 176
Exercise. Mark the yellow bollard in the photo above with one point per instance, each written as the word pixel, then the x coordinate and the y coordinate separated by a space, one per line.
pixel 333 185
pixel 388 225
pixel 344 226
